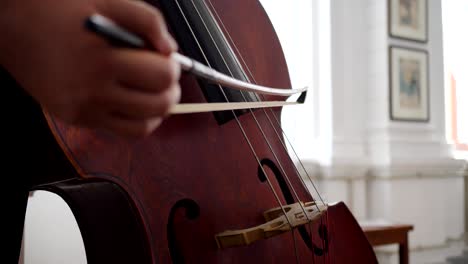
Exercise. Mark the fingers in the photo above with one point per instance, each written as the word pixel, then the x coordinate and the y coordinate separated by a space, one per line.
pixel 127 112
pixel 145 71
pixel 147 84
pixel 133 104
pixel 119 125
pixel 143 19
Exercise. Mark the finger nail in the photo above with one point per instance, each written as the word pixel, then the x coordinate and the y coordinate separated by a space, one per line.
pixel 172 43
pixel 167 44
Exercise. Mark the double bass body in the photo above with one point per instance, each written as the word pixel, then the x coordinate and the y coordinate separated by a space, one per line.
pixel 201 174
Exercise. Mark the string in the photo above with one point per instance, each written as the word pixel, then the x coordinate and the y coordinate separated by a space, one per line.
pixel 292 187
pixel 283 132
pixel 261 130
pixel 284 145
pixel 256 120
pixel 276 119
pixel 258 124
pixel 291 146
pixel 238 122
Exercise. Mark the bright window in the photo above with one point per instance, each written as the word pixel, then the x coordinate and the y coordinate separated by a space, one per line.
pixel 293 24
pixel 455 21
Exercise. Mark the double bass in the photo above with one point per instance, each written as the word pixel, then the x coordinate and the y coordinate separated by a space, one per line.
pixel 208 187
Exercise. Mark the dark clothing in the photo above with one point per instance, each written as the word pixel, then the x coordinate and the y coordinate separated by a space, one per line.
pixel 16 179
pixel 29 150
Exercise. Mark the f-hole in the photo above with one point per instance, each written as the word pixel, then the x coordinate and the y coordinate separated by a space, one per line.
pixel 192 211
pixel 323 234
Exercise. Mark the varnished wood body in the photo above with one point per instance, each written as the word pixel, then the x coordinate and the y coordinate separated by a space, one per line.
pixel 193 178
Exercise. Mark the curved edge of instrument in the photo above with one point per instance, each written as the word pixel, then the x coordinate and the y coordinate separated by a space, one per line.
pixel 54 131
pixel 109 223
pixel 348 239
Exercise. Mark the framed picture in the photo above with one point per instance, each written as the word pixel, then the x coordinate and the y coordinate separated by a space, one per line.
pixel 409 88
pixel 408 19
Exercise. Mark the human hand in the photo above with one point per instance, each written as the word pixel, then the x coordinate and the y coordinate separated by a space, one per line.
pixel 77 76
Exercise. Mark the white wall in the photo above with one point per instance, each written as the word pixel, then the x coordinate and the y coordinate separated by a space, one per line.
pixel 51 234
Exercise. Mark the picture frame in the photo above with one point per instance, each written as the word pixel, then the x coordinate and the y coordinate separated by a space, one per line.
pixel 409 84
pixel 408 19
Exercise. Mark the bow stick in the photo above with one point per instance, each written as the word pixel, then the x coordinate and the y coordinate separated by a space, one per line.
pixel 119 36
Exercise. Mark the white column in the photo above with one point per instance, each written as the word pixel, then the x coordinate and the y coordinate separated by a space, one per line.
pixel 339 151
